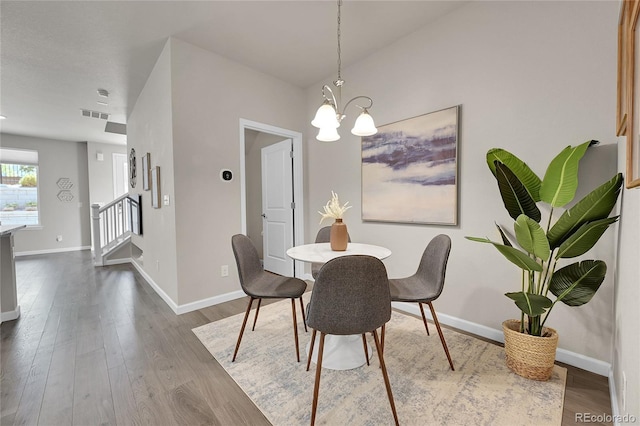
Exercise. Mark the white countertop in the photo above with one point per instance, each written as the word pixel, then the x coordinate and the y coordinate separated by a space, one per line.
pixel 322 253
pixel 8 229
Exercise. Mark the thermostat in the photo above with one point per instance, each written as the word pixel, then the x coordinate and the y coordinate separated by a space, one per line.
pixel 226 175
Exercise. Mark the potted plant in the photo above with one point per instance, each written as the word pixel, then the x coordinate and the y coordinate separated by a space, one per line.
pixel 338 236
pixel 539 248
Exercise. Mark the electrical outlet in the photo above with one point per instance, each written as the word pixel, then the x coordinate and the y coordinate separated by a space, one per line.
pixel 59 238
pixel 224 271
pixel 624 391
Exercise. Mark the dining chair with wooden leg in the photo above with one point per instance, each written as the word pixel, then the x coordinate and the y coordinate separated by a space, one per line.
pixel 259 284
pixel 426 284
pixel 350 297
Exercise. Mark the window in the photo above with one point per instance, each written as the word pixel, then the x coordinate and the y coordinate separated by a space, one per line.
pixel 19 187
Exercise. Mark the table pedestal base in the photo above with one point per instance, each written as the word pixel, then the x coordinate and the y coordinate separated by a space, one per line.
pixel 340 352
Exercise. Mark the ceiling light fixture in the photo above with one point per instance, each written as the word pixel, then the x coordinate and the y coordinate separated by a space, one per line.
pixel 329 116
pixel 103 93
pixel 2 117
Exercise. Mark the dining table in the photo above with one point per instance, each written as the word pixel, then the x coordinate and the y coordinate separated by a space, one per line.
pixel 340 352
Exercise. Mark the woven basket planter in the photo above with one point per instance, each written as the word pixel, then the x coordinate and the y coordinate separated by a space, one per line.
pixel 529 356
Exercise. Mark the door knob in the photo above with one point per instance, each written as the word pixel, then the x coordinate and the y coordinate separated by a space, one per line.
pixel 264 215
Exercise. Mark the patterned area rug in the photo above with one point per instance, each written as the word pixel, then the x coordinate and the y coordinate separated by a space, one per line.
pixel 482 390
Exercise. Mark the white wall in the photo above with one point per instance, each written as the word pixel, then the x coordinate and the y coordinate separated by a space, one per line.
pixel 101 172
pixel 627 298
pixel 71 220
pixel 150 129
pixel 532 77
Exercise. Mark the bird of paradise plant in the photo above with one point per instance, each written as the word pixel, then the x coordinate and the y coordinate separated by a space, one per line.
pixel 539 249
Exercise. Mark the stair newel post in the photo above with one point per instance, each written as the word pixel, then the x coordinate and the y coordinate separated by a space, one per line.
pixel 95 227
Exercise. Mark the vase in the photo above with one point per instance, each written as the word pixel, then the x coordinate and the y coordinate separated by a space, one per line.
pixel 529 356
pixel 338 236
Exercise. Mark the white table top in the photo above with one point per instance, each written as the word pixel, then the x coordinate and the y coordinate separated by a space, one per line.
pixel 322 253
pixel 9 229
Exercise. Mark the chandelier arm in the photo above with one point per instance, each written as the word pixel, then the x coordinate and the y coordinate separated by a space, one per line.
pixel 359 106
pixel 331 99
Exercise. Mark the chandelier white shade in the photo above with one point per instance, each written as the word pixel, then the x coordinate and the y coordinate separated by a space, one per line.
pixel 329 115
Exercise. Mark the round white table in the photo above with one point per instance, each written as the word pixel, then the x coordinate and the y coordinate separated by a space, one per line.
pixel 340 352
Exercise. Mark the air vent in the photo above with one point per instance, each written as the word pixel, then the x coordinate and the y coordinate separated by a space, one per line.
pixel 94 114
pixel 118 128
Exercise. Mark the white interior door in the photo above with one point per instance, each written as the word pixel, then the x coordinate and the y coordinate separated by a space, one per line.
pixel 120 175
pixel 277 207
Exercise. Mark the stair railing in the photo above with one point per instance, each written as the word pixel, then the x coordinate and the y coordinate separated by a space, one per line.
pixel 111 225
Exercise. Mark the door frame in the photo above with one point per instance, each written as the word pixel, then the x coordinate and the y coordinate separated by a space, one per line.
pixel 298 182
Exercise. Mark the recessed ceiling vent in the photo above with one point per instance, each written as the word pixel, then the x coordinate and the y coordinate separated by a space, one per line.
pixel 94 114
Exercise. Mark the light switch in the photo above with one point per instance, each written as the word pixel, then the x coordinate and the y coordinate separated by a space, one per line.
pixel 166 200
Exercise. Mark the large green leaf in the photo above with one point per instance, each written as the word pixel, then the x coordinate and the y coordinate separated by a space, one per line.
pixel 515 256
pixel 561 179
pixel 598 204
pixel 504 237
pixel 576 284
pixel 529 179
pixel 531 304
pixel 584 238
pixel 531 237
pixel 515 196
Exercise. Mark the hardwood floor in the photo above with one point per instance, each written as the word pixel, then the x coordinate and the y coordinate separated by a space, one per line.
pixel 98 346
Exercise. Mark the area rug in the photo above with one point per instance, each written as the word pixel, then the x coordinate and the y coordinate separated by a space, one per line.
pixel 481 391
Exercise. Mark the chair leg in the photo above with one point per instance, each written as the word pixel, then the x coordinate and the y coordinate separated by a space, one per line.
pixel 244 323
pixel 256 317
pixel 366 350
pixel 444 344
pixel 304 319
pixel 385 376
pixel 316 386
pixel 424 318
pixel 313 341
pixel 382 338
pixel 295 328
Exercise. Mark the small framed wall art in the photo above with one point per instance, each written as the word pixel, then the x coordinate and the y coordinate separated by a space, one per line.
pixel 155 187
pixel 146 171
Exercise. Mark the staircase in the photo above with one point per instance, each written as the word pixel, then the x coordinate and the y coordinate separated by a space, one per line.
pixel 111 227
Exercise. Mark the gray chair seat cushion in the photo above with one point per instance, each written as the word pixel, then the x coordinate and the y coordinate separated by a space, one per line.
pixel 411 289
pixel 271 286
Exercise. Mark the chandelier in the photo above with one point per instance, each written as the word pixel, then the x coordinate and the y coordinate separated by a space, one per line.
pixel 329 115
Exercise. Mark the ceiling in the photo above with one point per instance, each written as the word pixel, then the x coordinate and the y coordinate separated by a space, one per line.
pixel 55 55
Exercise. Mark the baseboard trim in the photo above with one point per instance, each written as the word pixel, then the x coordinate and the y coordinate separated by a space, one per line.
pixel 50 251
pixel 10 315
pixel 572 358
pixel 109 262
pixel 187 307
pixel 156 287
pixel 613 394
pixel 210 301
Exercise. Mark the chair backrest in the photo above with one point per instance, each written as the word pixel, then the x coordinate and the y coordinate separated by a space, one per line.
pixel 433 265
pixel 247 260
pixel 350 296
pixel 324 234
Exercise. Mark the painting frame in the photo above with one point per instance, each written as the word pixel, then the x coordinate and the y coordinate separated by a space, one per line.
pixel 155 187
pixel 623 68
pixel 410 170
pixel 135 213
pixel 146 171
pixel 632 170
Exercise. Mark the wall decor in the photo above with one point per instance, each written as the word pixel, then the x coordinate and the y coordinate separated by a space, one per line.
pixel 146 170
pixel 155 187
pixel 64 183
pixel 632 178
pixel 410 170
pixel 132 168
pixel 623 69
pixel 135 213
pixel 65 196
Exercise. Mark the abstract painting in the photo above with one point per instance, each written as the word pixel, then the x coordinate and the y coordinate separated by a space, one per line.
pixel 409 170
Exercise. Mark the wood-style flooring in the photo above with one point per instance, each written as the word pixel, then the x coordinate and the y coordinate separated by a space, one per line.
pixel 97 346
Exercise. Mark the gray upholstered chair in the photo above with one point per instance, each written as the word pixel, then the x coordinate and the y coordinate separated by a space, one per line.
pixel 259 284
pixel 426 284
pixel 322 237
pixel 350 296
